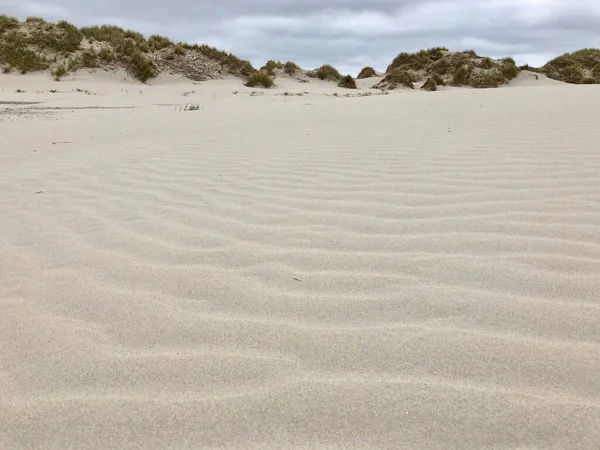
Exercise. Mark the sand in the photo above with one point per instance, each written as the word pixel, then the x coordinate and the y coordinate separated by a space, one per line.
pixel 412 270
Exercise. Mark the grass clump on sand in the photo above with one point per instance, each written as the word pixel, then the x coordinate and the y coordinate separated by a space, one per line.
pixel 259 79
pixel 142 67
pixel 574 67
pixel 290 68
pixel 157 42
pixel 366 72
pixel 325 72
pixel 60 72
pixel 429 85
pixel 347 82
pixel 395 79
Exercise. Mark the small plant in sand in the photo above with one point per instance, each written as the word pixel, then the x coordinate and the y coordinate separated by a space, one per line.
pixel 259 79
pixel 429 85
pixel 290 68
pixel 191 107
pixel 366 72
pixel 60 72
pixel 347 82
pixel 325 72
pixel 589 80
pixel 7 69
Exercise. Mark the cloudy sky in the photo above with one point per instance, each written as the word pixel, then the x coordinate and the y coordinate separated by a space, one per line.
pixel 349 34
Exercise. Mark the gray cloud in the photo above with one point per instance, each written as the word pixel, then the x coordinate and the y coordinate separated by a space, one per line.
pixel 346 33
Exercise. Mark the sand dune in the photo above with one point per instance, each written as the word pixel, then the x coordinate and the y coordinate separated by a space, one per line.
pixel 412 270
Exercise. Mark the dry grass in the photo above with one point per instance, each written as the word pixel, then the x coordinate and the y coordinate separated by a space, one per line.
pixel 417 61
pixel 259 79
pixel 60 72
pixel 395 79
pixel 270 67
pixel 347 82
pixel 290 68
pixel 429 85
pixel 325 72
pixel 575 67
pixel 366 72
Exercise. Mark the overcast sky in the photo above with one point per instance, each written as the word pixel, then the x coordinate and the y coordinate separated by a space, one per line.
pixel 349 34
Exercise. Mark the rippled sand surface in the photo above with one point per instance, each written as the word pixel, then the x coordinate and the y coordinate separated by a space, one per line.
pixel 416 270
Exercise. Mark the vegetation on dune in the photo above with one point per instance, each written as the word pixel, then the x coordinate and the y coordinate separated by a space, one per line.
pixel 429 85
pixel 366 72
pixel 290 68
pixel 8 23
pixel 395 79
pixel 270 67
pixel 575 67
pixel 33 19
pixel 35 44
pixel 417 61
pixel 347 82
pixel 259 79
pixel 325 72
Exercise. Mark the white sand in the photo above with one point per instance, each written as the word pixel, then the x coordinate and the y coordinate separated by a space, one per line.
pixel 416 270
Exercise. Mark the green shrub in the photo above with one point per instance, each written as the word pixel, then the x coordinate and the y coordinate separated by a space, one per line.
pixel 509 71
pixel 429 85
pixel 73 65
pixel 259 79
pixel 157 42
pixel 326 72
pixel 486 63
pixel 89 59
pixel 290 68
pixel 15 52
pixel 461 76
pixel 471 53
pixel 509 60
pixel 572 74
pixel 396 78
pixel 60 72
pixel 33 19
pixel 7 69
pixel 179 50
pixel 8 23
pixel 366 72
pixel 439 81
pixel 347 82
pixel 141 67
pixel 589 80
pixel 105 54
pixel 485 79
